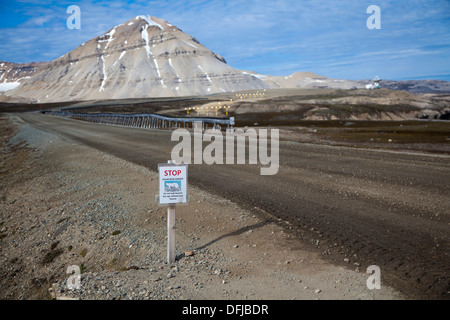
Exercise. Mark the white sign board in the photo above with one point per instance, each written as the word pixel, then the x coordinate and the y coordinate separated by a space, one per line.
pixel 172 183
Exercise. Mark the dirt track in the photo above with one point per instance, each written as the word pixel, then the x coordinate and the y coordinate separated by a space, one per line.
pixel 368 207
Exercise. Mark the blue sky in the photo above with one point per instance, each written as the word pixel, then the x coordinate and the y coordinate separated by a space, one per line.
pixel 278 37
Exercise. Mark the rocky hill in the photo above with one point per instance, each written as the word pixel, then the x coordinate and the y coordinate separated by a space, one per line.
pixel 418 86
pixel 12 74
pixel 143 57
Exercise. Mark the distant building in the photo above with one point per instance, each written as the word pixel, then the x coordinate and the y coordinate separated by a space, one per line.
pixel 375 84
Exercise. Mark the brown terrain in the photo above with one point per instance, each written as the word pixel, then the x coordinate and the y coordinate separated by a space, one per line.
pixel 349 194
pixel 65 203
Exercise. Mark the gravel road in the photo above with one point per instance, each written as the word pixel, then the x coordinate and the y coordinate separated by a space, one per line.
pixel 351 207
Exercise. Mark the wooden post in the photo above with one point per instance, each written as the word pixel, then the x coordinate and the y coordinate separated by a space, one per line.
pixel 171 231
pixel 171 234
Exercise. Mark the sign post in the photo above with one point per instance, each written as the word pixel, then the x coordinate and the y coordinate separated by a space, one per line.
pixel 171 234
pixel 172 191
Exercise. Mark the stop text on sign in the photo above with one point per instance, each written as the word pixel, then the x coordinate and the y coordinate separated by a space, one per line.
pixel 172 173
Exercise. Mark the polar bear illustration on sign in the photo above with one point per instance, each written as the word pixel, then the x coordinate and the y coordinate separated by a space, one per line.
pixel 172 186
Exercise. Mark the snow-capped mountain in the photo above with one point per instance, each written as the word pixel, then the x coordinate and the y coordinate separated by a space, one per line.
pixel 143 57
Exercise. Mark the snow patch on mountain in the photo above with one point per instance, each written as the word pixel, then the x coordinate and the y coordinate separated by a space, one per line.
pixel 120 57
pixel 5 86
pixel 189 44
pixel 110 37
pixel 150 21
pixel 145 37
pixel 102 86
pixel 207 76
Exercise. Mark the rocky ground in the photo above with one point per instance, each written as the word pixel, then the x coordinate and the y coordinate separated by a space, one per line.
pixel 66 204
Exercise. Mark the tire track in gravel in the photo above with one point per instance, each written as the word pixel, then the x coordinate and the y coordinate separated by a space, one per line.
pixel 384 208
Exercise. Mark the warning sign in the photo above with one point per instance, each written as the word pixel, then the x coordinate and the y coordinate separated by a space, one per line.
pixel 172 183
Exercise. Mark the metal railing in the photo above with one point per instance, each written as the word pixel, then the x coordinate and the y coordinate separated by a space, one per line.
pixel 146 121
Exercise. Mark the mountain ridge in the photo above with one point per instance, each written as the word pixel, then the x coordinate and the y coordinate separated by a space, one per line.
pixel 149 57
pixel 143 57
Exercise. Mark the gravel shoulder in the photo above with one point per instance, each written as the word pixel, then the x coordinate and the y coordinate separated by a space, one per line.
pixel 65 204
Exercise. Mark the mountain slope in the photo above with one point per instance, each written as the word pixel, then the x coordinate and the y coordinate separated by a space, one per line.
pixel 12 74
pixel 143 57
pixel 309 80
